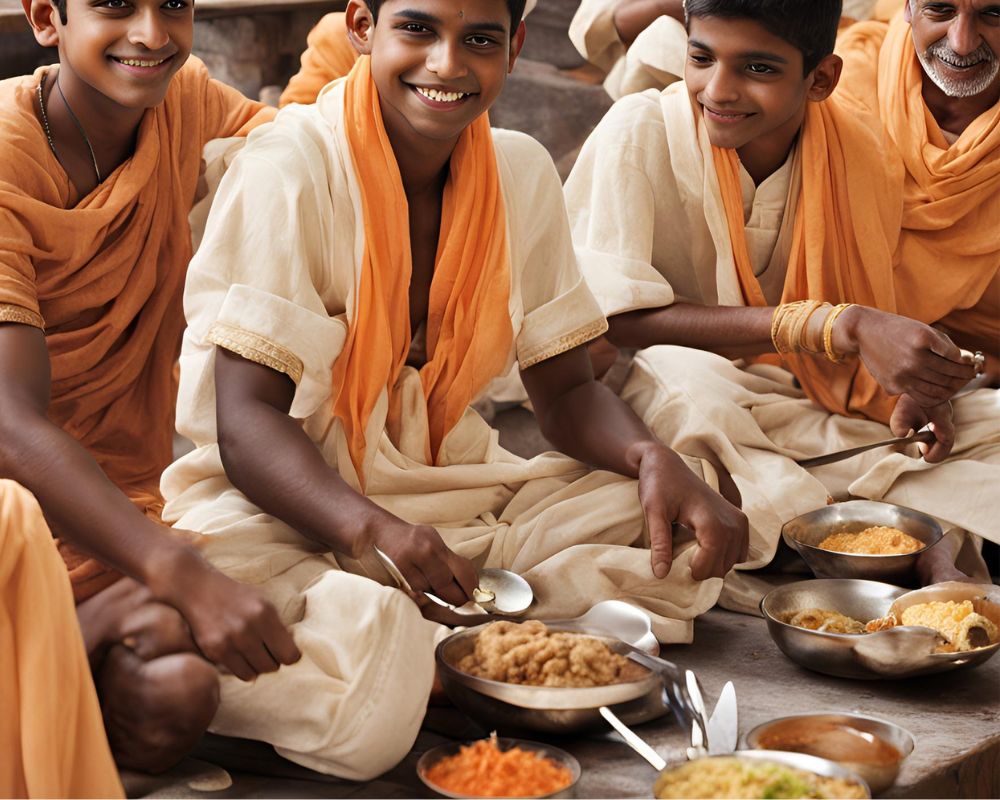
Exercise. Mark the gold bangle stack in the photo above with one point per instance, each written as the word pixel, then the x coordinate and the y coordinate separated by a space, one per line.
pixel 790 328
pixel 828 332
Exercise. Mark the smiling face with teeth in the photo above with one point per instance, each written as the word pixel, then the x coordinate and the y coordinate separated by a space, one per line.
pixel 749 87
pixel 958 44
pixel 437 64
pixel 119 55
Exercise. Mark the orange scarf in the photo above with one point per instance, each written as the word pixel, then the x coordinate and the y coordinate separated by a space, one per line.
pixel 329 55
pixel 103 276
pixel 949 254
pixel 469 332
pixel 846 223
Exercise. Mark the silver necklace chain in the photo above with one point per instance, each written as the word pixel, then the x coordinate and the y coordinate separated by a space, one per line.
pixel 79 127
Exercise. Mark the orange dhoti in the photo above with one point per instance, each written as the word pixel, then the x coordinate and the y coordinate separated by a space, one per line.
pixel 52 741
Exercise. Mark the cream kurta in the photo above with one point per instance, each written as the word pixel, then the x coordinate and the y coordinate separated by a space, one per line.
pixel 656 58
pixel 649 228
pixel 274 281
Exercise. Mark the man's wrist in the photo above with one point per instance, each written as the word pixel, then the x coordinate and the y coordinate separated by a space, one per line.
pixel 168 564
pixel 846 329
pixel 644 449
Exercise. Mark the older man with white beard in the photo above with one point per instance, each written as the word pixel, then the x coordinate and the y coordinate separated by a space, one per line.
pixel 933 76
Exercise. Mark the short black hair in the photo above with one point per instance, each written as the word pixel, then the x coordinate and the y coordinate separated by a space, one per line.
pixel 516 8
pixel 808 25
pixel 61 8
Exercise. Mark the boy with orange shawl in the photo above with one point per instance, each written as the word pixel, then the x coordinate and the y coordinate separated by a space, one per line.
pixel 933 77
pixel 745 213
pixel 642 44
pixel 101 162
pixel 370 264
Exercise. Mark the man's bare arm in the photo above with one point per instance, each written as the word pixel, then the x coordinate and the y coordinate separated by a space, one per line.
pixel 586 420
pixel 232 625
pixel 904 356
pixel 632 17
pixel 271 459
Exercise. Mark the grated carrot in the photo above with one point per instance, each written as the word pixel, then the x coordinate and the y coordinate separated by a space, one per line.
pixel 483 770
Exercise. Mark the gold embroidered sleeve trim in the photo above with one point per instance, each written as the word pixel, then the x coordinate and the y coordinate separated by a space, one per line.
pixel 12 313
pixel 256 348
pixel 560 345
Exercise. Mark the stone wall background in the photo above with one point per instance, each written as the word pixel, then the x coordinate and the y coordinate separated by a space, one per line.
pixel 551 94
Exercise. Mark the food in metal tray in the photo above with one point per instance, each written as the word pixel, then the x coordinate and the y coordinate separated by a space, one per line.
pixel 529 653
pixel 482 769
pixel 878 540
pixel 733 778
pixel 820 619
pixel 962 628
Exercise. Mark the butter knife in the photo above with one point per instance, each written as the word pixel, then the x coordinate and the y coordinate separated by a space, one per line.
pixel 925 436
pixel 723 725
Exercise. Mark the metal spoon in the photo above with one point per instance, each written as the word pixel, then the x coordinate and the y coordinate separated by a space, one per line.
pixel 617 619
pixel 500 591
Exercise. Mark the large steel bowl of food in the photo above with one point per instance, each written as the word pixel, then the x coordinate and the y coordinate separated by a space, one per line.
pixel 758 774
pixel 804 534
pixel 512 707
pixel 873 748
pixel 899 652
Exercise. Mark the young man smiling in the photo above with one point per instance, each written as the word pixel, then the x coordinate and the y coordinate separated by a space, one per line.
pixel 102 155
pixel 726 215
pixel 371 262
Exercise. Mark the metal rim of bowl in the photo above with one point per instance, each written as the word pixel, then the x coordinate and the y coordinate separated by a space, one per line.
pixel 932 523
pixel 430 757
pixel 822 767
pixel 494 689
pixel 758 729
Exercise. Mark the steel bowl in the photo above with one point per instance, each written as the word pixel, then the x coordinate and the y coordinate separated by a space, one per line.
pixel 435 754
pixel 878 776
pixel 545 709
pixel 804 533
pixel 813 764
pixel 900 652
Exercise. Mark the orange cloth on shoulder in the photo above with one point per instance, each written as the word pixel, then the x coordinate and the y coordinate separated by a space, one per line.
pixel 52 741
pixel 846 226
pixel 948 260
pixel 103 275
pixel 328 56
pixel 469 331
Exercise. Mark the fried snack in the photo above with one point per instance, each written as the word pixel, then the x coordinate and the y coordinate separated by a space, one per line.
pixel 734 778
pixel 824 621
pixel 881 623
pixel 958 623
pixel 529 653
pixel 876 541
pixel 482 769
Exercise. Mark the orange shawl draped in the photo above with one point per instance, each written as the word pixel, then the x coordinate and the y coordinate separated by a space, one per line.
pixel 103 276
pixel 52 741
pixel 846 225
pixel 949 254
pixel 469 332
pixel 328 56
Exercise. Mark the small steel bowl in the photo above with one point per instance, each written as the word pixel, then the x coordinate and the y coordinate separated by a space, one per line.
pixel 435 754
pixel 899 652
pixel 804 533
pixel 545 709
pixel 878 776
pixel 817 766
